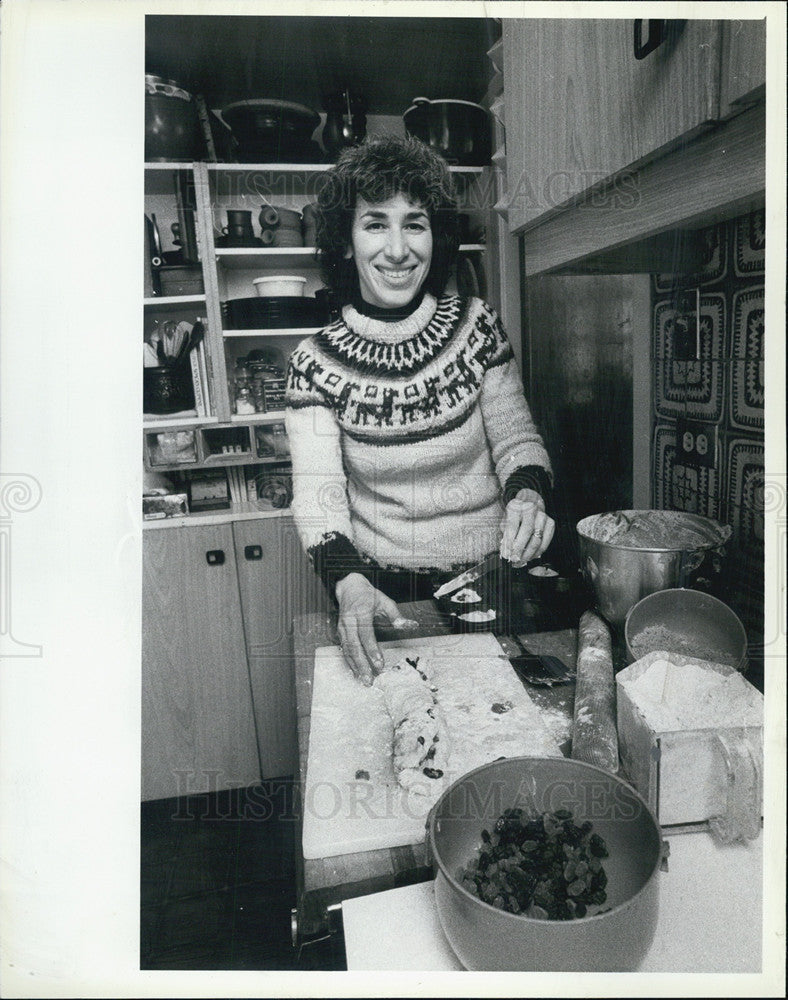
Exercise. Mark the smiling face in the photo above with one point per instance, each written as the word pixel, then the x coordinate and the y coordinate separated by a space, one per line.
pixel 391 244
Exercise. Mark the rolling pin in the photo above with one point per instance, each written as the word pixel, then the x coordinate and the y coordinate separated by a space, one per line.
pixel 594 734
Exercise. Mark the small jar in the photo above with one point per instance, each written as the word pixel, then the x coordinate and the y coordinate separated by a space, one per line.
pixel 281 444
pixel 258 394
pixel 244 403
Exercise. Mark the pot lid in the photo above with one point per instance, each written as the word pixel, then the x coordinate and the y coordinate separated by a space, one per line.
pixel 420 102
pixel 282 107
pixel 155 84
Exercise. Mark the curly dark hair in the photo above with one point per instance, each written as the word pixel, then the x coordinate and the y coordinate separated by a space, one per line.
pixel 378 169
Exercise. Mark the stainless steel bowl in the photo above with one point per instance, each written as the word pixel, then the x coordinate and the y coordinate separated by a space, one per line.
pixel 486 938
pixel 627 554
pixel 687 622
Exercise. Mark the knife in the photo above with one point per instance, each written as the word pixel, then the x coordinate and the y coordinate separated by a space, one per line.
pixel 492 562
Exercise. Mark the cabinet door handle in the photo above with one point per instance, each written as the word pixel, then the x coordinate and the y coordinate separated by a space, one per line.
pixel 214 557
pixel 252 552
pixel 655 37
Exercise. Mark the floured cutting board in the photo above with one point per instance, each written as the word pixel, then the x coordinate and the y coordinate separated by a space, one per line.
pixel 488 715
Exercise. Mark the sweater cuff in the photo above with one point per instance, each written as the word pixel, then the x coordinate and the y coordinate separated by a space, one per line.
pixel 334 557
pixel 528 477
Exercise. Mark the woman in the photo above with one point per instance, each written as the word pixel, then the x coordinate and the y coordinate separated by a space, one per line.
pixel 414 452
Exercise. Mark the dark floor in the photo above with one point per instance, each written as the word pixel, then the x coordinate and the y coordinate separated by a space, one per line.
pixel 218 884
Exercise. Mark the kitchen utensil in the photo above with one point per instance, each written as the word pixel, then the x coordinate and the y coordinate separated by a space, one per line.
pixel 185 198
pixel 156 237
pixel 346 123
pixel 491 564
pixel 309 223
pixel 172 124
pixel 272 285
pixel 486 938
pixel 239 225
pixel 695 756
pixel 287 237
pixel 149 359
pixel 262 119
pixel 458 130
pixel 542 669
pixel 172 339
pixel 487 711
pixel 628 554
pixel 272 217
pixel 594 737
pixel 180 279
pixel 150 263
pixel 273 131
pixel 686 621
pixel 167 388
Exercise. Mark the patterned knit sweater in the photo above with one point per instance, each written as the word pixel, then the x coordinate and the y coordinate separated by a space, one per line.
pixel 403 435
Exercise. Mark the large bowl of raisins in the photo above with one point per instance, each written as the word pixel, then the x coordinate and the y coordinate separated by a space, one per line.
pixel 545 864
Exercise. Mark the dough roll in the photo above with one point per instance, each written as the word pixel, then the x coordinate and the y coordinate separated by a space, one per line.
pixel 420 743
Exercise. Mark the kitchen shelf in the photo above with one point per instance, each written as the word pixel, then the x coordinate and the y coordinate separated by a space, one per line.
pixel 274 257
pixel 175 422
pixel 219 461
pixel 271 417
pixel 172 301
pixel 249 511
pixel 170 165
pixel 305 168
pixel 274 332
pixel 265 257
pixel 279 168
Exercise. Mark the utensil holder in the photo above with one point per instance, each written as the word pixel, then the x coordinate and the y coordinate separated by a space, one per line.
pixel 167 389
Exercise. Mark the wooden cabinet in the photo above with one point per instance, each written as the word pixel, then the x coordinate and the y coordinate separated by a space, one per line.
pixel 743 68
pixel 198 729
pixel 218 699
pixel 581 109
pixel 613 162
pixel 276 583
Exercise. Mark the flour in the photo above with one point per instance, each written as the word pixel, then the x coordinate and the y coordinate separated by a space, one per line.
pixel 689 696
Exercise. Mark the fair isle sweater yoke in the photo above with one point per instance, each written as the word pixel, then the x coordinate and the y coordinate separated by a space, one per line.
pixel 403 434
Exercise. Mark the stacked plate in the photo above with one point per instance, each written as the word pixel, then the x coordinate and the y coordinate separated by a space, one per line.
pixel 274 312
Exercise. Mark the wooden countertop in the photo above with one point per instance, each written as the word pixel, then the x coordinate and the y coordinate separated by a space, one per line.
pixel 325 882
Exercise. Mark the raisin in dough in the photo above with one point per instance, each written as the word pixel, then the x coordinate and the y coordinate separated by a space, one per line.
pixel 421 745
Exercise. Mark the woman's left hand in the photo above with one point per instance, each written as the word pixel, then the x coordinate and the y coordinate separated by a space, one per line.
pixel 527 530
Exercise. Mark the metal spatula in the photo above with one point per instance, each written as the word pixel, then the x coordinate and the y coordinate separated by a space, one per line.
pixel 540 668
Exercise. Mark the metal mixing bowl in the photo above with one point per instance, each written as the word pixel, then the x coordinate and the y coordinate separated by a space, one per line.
pixel 686 549
pixel 688 622
pixel 487 938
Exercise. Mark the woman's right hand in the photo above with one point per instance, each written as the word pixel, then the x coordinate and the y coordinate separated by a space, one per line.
pixel 359 604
